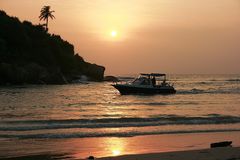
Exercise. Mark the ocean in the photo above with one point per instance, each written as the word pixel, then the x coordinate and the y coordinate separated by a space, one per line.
pixel 31 115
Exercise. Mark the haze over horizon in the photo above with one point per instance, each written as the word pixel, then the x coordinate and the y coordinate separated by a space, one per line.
pixel 129 37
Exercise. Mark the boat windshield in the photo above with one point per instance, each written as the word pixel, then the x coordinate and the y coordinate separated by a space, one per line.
pixel 141 81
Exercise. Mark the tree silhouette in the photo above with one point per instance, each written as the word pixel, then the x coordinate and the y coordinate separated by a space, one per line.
pixel 45 13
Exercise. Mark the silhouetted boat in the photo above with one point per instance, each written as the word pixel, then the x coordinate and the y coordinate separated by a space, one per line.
pixel 146 84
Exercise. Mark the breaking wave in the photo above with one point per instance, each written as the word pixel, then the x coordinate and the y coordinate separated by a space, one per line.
pixel 28 125
pixel 102 134
pixel 210 91
pixel 120 104
pixel 233 80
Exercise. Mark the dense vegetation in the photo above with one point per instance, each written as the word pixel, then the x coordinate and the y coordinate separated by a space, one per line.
pixel 28 54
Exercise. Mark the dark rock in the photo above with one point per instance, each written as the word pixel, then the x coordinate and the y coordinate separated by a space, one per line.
pixel 111 79
pixel 36 73
pixel 12 74
pixel 94 72
pixel 221 144
pixel 54 76
pixel 90 158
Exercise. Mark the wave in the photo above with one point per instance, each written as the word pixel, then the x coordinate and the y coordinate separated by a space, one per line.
pixel 132 104
pixel 116 122
pixel 192 91
pixel 125 78
pixel 119 104
pixel 203 83
pixel 111 134
pixel 210 91
pixel 233 80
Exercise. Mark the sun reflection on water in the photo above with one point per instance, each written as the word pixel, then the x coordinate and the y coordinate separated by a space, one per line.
pixel 116 146
pixel 116 152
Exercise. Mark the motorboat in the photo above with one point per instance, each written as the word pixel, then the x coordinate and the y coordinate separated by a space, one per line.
pixel 153 83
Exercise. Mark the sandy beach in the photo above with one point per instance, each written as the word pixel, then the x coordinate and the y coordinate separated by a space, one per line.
pixel 167 146
pixel 223 153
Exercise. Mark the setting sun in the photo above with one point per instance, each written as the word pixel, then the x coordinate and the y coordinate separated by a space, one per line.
pixel 113 33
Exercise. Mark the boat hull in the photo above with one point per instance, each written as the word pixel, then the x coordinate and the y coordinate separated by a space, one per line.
pixel 127 89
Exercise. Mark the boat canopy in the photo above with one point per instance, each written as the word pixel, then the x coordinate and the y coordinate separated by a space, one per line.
pixel 153 74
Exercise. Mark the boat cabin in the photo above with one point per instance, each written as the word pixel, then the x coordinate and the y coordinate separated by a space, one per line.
pixel 153 79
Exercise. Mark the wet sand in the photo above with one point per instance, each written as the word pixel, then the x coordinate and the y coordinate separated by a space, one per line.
pixel 143 146
pixel 224 153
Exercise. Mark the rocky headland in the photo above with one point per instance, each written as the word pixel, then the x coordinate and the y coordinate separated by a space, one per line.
pixel 31 55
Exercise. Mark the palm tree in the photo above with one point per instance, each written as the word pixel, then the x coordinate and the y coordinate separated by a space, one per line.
pixel 45 13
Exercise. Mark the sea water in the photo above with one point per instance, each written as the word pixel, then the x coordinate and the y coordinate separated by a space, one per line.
pixel 202 104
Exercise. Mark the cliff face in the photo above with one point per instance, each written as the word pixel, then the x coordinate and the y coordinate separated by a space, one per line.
pixel 28 54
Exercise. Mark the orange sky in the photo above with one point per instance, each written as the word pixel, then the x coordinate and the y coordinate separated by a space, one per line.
pixel 172 36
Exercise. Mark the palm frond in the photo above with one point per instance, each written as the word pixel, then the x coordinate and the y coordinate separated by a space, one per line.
pixel 51 16
pixel 45 13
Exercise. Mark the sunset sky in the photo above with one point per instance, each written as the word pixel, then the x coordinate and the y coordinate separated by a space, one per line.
pixel 132 36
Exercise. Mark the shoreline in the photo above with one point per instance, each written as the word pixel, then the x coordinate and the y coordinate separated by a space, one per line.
pixel 81 148
pixel 221 153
